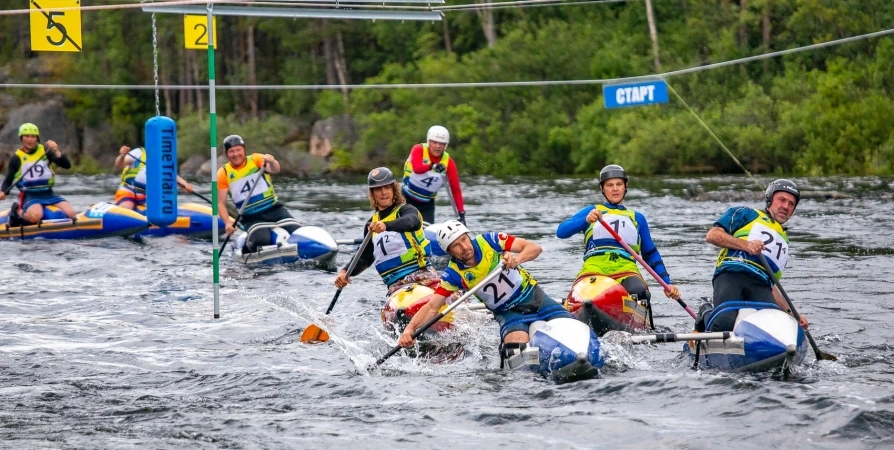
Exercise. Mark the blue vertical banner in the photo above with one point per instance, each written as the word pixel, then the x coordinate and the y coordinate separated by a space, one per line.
pixel 161 170
pixel 635 94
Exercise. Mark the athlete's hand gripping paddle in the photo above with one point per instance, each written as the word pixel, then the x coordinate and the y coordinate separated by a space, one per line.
pixel 314 333
pixel 245 202
pixel 441 314
pixel 820 355
pixel 643 263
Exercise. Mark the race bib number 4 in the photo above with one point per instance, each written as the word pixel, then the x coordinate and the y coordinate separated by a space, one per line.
pixel 775 247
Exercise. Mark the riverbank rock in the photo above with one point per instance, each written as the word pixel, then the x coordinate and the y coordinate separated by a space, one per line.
pixel 334 132
pixel 301 164
pixel 205 168
pixel 192 164
pixel 99 143
pixel 49 116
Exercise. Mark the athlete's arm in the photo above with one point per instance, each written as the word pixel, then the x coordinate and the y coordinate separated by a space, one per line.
pixel 650 252
pixel 419 166
pixel 14 164
pixel 272 164
pixel 185 184
pixel 122 159
pixel 524 250
pixel 576 224
pixel 55 156
pixel 455 189
pixel 407 220
pixel 780 301
pixel 223 188
pixel 421 317
pixel 719 237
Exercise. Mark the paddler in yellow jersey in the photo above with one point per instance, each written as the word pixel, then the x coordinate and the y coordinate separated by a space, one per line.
pixel 514 297
pixel 30 168
pixel 742 233
pixel 132 189
pixel 398 248
pixel 603 254
pixel 236 179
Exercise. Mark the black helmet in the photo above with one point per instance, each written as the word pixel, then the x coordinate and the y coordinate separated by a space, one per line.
pixel 612 171
pixel 380 176
pixel 782 185
pixel 232 141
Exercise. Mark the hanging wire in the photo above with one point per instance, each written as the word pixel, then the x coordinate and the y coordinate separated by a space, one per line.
pixel 702 122
pixel 155 63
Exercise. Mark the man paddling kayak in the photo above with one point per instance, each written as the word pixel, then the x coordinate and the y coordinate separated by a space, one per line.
pixel 399 250
pixel 236 178
pixel 603 254
pixel 132 189
pixel 743 233
pixel 514 297
pixel 424 174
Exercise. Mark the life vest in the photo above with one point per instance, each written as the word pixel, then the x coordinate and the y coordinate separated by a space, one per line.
pixel 34 173
pixel 398 254
pixel 423 187
pixel 510 288
pixel 240 185
pixel 765 229
pixel 133 176
pixel 603 254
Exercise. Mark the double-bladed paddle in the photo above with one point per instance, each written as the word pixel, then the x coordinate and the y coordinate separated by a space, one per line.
pixel 313 333
pixel 441 314
pixel 820 355
pixel 646 266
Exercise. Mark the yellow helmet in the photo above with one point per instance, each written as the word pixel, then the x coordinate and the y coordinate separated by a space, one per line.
pixel 28 129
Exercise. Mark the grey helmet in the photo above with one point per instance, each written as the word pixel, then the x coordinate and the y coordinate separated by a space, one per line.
pixel 612 171
pixel 232 141
pixel 380 176
pixel 782 185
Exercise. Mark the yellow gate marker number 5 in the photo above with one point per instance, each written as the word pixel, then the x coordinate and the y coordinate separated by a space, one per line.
pixel 195 31
pixel 53 30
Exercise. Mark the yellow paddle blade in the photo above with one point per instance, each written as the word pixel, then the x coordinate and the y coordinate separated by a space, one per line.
pixel 314 334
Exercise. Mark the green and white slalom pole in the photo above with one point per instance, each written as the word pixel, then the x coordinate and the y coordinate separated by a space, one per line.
pixel 213 127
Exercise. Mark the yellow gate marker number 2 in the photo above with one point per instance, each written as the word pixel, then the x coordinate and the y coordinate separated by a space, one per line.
pixel 55 31
pixel 195 32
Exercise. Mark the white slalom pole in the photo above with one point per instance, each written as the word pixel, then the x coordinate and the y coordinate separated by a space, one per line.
pixel 213 128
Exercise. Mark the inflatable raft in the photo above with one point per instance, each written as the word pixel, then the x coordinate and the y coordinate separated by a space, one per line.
pixel 98 221
pixel 764 337
pixel 307 243
pixel 193 220
pixel 561 349
pixel 605 305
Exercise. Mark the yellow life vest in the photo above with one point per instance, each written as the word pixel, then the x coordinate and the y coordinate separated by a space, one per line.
pixel 34 172
pixel 603 254
pixel 240 185
pixel 423 187
pixel 510 288
pixel 134 175
pixel 399 254
pixel 767 230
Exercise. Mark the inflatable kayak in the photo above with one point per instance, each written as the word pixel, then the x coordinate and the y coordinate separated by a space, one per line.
pixel 605 305
pixel 193 220
pixel 98 221
pixel 405 302
pixel 764 337
pixel 561 349
pixel 303 244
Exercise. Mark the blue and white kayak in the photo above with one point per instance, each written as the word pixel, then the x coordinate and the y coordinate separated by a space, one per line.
pixel 764 337
pixel 561 349
pixel 193 220
pixel 98 221
pixel 307 243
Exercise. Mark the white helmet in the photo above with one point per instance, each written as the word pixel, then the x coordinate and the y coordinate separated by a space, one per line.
pixel 438 133
pixel 450 231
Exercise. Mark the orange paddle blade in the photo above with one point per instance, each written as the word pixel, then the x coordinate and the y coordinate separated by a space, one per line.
pixel 314 334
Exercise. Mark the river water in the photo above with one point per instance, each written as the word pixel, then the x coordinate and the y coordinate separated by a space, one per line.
pixel 111 343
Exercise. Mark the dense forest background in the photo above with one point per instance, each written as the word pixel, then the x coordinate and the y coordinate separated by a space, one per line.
pixel 827 111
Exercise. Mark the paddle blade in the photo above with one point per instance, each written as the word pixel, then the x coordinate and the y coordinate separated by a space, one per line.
pixel 314 335
pixel 823 356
